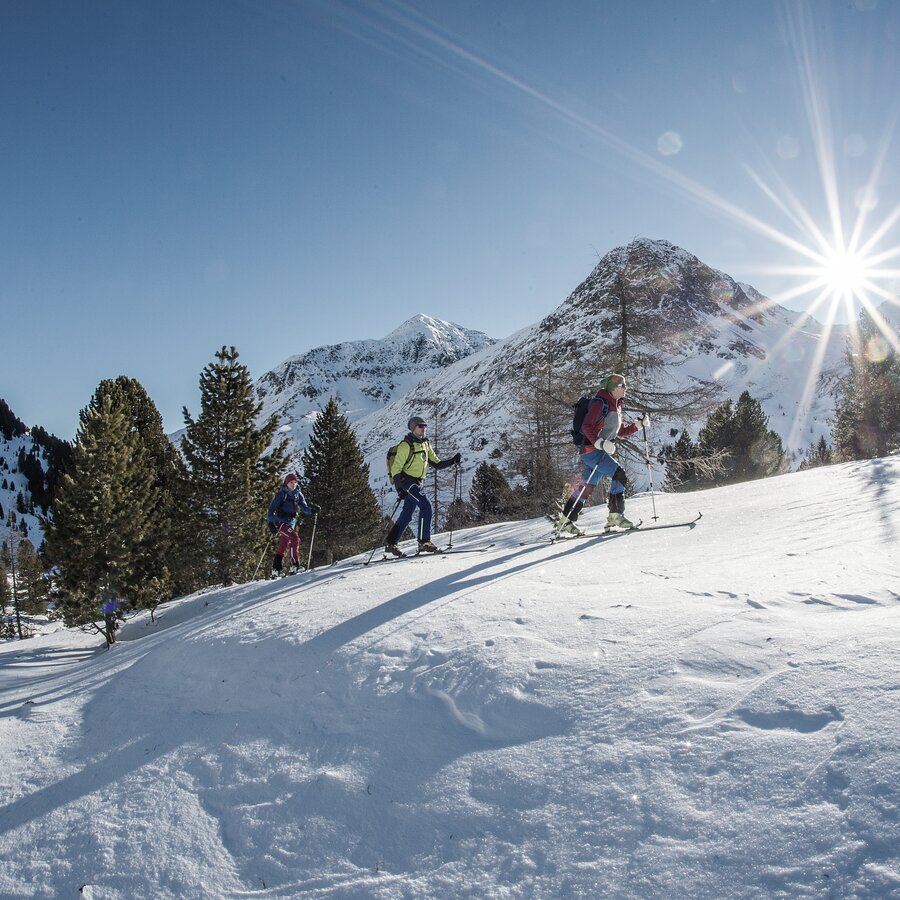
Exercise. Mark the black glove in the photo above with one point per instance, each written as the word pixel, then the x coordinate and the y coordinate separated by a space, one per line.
pixel 315 509
pixel 273 527
pixel 399 485
pixel 457 459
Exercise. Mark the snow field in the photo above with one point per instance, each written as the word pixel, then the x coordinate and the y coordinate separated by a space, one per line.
pixel 705 712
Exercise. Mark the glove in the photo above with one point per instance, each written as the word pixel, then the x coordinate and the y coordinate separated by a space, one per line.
pixel 315 509
pixel 609 447
pixel 398 484
pixel 272 527
pixel 457 459
pixel 644 419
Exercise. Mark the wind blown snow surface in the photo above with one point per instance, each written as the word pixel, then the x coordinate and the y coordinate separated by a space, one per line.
pixel 708 711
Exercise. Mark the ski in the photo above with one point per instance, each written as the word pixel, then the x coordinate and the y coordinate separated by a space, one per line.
pixel 449 551
pixel 687 524
pixel 607 532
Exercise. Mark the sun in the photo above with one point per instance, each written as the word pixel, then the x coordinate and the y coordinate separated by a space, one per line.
pixel 846 275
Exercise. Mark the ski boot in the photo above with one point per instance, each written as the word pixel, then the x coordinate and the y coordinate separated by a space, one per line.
pixel 563 525
pixel 617 520
pixel 428 547
pixel 393 550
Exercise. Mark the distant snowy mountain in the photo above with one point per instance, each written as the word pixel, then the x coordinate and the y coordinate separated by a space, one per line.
pixel 362 375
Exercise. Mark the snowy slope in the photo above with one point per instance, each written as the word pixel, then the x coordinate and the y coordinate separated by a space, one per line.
pixel 701 712
pixel 17 483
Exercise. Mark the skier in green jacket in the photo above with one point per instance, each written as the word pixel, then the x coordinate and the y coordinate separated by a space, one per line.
pixel 407 471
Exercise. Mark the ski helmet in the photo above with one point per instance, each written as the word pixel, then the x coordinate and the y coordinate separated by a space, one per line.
pixel 415 421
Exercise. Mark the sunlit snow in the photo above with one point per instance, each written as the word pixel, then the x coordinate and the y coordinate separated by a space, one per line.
pixel 696 712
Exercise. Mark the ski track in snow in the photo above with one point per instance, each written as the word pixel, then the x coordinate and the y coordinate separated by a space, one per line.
pixel 713 707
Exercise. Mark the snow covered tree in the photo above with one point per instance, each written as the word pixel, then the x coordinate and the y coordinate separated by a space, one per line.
pixel 232 475
pixel 104 514
pixel 867 418
pixel 336 477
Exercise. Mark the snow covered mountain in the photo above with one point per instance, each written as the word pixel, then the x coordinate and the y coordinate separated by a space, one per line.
pixel 30 460
pixel 715 717
pixel 362 375
pixel 709 328
pixel 706 327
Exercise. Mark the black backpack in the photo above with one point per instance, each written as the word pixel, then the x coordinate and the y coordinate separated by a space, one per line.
pixel 579 411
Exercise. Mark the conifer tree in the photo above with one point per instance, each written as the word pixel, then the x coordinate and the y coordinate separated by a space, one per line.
pixel 336 477
pixel 867 418
pixel 680 472
pixel 104 513
pixel 819 455
pixel 5 597
pixel 490 493
pixel 33 586
pixel 737 437
pixel 164 467
pixel 233 472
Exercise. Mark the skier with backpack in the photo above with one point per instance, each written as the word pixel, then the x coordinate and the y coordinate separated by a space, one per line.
pixel 407 464
pixel 282 519
pixel 597 424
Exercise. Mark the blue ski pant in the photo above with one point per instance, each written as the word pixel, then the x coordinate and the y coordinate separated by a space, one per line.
pixel 414 500
pixel 605 465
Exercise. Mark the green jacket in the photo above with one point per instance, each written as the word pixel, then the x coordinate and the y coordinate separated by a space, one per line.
pixel 412 458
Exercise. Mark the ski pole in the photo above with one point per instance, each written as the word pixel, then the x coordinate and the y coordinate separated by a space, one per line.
pixel 649 470
pixel 256 570
pixel 456 487
pixel 312 538
pixel 584 484
pixel 396 507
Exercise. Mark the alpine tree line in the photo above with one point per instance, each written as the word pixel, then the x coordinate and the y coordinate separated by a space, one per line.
pixel 135 522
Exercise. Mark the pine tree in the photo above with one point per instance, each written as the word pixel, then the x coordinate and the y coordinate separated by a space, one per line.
pixel 336 477
pixel 7 629
pixel 233 472
pixel 819 455
pixel 32 583
pixel 162 553
pixel 737 440
pixel 680 470
pixel 490 493
pixel 867 419
pixel 104 514
pixel 759 452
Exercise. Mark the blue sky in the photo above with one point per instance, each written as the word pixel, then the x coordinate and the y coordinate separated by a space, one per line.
pixel 281 175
